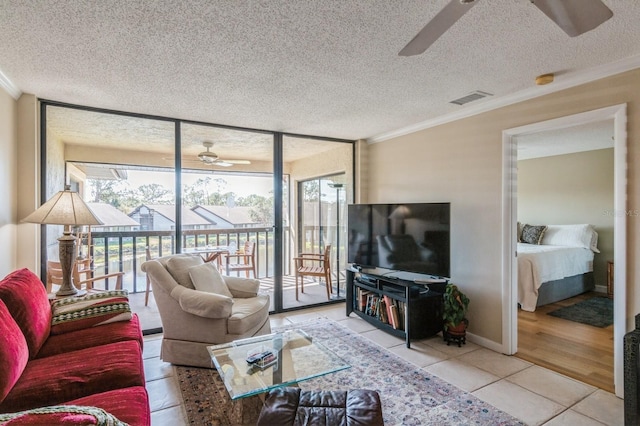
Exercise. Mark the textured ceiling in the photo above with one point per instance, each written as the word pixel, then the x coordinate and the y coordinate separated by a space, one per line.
pixel 326 68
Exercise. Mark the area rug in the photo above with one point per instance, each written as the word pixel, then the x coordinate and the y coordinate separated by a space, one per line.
pixel 409 395
pixel 597 311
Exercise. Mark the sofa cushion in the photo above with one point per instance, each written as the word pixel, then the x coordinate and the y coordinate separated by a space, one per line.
pixel 27 300
pixel 14 352
pixel 89 337
pixel 130 405
pixel 65 415
pixel 178 266
pixel 248 314
pixel 99 308
pixel 68 376
pixel 207 278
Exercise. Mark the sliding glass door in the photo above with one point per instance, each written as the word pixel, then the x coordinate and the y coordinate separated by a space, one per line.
pixel 323 187
pixel 231 195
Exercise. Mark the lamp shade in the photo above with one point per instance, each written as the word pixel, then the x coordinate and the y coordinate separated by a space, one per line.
pixel 64 208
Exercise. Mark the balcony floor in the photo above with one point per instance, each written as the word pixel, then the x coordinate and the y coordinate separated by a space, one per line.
pixel 314 293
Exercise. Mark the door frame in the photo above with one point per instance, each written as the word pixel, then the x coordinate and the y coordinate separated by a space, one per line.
pixel 509 226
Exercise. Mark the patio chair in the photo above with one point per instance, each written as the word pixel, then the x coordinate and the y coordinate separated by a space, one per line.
pixel 54 276
pixel 242 260
pixel 199 307
pixel 314 265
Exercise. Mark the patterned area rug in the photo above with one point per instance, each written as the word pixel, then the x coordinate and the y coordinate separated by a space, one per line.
pixel 409 395
pixel 597 311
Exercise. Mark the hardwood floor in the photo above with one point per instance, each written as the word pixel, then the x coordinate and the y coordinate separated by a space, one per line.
pixel 580 351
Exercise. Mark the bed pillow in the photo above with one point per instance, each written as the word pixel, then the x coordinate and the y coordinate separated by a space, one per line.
pixel 532 234
pixel 580 235
pixel 206 277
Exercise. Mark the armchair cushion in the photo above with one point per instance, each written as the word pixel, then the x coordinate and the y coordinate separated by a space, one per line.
pixel 248 313
pixel 242 287
pixel 203 304
pixel 178 266
pixel 26 298
pixel 205 277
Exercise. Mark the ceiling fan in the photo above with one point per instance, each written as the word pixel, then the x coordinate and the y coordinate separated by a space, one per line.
pixel 212 159
pixel 574 17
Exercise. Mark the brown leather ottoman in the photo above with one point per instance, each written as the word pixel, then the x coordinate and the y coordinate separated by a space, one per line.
pixel 293 406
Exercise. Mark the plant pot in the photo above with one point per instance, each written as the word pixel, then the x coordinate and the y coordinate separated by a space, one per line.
pixel 457 334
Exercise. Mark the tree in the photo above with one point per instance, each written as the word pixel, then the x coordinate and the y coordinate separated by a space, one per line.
pixel 205 191
pixel 154 193
pixel 311 190
pixel 104 191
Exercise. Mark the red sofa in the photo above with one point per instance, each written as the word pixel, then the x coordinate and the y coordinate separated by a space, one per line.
pixel 99 366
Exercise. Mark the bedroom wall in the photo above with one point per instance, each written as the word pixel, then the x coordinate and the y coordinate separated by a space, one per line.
pixel 8 178
pixel 572 188
pixel 461 162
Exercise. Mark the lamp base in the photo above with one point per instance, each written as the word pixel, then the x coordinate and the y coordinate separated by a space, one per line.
pixel 67 247
pixel 78 293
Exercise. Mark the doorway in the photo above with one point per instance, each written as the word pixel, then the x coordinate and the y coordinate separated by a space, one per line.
pixel 510 289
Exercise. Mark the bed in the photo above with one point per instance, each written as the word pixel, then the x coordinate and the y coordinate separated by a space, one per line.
pixel 556 266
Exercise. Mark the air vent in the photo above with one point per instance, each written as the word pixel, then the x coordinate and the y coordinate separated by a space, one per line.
pixel 473 96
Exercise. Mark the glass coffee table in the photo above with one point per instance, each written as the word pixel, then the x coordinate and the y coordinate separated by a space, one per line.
pixel 258 364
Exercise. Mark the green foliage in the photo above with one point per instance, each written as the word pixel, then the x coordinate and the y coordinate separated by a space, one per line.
pixel 456 304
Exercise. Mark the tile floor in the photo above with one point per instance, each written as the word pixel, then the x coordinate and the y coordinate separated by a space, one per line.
pixel 534 395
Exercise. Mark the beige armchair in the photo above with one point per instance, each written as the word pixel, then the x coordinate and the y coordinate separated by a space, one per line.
pixel 199 307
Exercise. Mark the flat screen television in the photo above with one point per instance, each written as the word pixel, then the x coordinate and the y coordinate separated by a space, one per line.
pixel 412 237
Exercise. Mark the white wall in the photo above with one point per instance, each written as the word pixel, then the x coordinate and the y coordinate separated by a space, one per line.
pixel 8 185
pixel 461 162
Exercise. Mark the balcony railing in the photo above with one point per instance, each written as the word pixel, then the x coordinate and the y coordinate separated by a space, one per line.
pixel 126 251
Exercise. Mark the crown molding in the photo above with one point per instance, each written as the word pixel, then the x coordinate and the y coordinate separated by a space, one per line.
pixel 562 82
pixel 8 85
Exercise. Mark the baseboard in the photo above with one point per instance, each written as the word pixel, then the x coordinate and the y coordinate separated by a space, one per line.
pixel 486 343
pixel 600 289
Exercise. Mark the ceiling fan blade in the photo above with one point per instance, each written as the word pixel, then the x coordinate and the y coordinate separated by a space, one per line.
pixel 575 17
pixel 237 161
pixel 436 27
pixel 222 163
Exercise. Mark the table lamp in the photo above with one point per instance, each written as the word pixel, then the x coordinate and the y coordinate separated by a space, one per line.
pixel 65 208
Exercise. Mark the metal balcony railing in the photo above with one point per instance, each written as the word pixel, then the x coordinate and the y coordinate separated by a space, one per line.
pixel 125 251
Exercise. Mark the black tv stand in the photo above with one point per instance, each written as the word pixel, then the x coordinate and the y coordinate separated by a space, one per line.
pixel 374 295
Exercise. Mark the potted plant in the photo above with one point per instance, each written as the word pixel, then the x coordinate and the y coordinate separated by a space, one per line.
pixel 454 315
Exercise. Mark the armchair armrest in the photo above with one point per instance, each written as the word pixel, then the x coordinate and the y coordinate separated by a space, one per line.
pixel 242 287
pixel 201 303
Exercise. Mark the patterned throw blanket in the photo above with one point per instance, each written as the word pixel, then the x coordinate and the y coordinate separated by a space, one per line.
pixel 96 308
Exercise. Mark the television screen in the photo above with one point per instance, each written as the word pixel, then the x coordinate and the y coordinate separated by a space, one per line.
pixel 410 237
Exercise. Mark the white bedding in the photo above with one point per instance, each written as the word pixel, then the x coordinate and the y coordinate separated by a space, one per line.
pixel 538 264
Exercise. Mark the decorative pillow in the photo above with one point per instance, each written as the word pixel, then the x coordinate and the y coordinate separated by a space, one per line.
pixel 26 298
pixel 206 277
pixel 519 232
pixel 532 234
pixel 68 415
pixel 14 352
pixel 178 266
pixel 77 313
pixel 581 235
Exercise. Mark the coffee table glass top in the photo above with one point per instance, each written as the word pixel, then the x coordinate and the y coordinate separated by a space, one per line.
pixel 288 357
